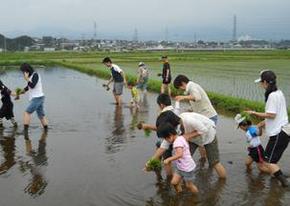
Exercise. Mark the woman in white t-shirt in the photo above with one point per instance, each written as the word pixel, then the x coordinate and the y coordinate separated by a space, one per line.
pixel 276 118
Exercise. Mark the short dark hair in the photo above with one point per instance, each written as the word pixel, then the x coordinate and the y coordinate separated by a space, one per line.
pixel 179 80
pixel 131 83
pixel 165 130
pixel 26 68
pixel 245 123
pixel 164 57
pixel 164 99
pixel 107 60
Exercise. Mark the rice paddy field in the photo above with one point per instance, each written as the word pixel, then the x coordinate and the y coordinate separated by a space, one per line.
pixel 229 73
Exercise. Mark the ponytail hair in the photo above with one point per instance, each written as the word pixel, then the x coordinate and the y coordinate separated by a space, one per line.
pixel 270 78
pixel 272 87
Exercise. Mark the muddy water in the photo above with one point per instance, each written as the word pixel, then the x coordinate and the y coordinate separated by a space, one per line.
pixel 93 155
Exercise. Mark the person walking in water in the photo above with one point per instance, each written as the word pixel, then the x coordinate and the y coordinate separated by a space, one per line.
pixel 118 77
pixel 275 122
pixel 35 95
pixel 166 76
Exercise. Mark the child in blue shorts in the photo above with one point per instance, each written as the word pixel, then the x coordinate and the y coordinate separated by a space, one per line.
pixel 255 148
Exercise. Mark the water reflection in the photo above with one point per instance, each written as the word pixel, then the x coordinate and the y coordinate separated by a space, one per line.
pixel 275 194
pixel 7 142
pixel 165 194
pixel 140 114
pixel 36 166
pixel 118 136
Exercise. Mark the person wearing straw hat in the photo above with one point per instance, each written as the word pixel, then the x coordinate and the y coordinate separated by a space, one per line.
pixel 275 123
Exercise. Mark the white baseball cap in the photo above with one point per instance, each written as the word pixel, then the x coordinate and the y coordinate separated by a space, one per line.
pixel 260 79
pixel 141 64
pixel 239 119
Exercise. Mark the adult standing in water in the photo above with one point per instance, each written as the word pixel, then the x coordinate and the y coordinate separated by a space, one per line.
pixel 199 101
pixel 276 123
pixel 143 75
pixel 118 77
pixel 166 76
pixel 35 95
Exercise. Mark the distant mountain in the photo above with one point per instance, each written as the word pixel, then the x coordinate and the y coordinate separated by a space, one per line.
pixel 16 44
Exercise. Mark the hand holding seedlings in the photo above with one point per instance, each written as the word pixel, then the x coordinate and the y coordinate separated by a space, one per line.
pixel 18 92
pixel 106 87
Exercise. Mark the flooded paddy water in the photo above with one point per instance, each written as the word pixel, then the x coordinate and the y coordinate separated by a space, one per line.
pixel 94 155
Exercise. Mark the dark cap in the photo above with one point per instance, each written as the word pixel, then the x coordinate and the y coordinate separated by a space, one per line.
pixel 266 75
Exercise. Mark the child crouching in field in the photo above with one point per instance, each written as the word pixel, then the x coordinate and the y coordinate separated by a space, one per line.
pixel 7 105
pixel 256 150
pixel 184 164
pixel 135 101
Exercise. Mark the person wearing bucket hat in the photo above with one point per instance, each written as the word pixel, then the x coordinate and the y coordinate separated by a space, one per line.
pixel 255 148
pixel 143 75
pixel 275 121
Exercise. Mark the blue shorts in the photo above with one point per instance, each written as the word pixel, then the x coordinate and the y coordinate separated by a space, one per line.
pixel 36 104
pixel 214 119
pixel 186 176
pixel 143 84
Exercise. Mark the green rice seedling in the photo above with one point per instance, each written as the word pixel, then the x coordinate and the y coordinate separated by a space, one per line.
pixel 18 93
pixel 147 132
pixel 154 165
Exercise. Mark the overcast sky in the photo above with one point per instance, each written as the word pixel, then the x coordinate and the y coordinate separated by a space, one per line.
pixel 208 19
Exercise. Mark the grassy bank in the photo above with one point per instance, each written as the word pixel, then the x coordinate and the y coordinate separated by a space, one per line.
pixel 221 102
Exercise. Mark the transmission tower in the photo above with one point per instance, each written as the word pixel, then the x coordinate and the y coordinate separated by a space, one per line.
pixel 135 35
pixel 235 28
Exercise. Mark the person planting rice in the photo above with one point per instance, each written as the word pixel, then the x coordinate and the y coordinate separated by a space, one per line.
pixel 35 95
pixel 255 149
pixel 198 99
pixel 6 110
pixel 118 77
pixel 184 164
pixel 135 100
pixel 202 132
pixel 276 123
pixel 166 115
pixel 166 76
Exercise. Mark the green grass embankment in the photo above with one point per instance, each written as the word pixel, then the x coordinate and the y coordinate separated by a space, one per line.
pixel 221 102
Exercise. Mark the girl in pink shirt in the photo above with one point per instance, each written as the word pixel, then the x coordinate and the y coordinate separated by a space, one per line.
pixel 182 158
